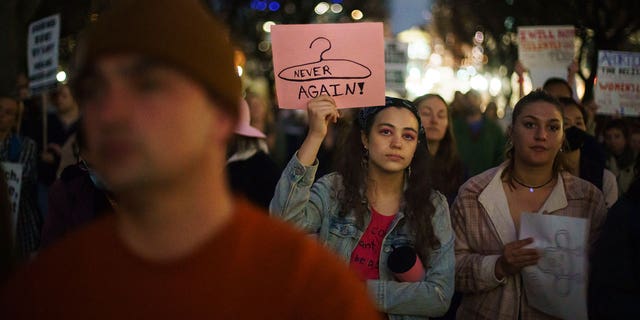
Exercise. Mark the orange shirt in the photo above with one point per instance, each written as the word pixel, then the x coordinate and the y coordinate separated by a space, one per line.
pixel 254 268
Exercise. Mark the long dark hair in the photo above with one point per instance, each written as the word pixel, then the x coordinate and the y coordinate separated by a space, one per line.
pixel 554 81
pixel 534 96
pixel 447 172
pixel 418 210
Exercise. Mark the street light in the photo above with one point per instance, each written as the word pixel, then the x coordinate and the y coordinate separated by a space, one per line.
pixel 321 8
pixel 61 76
pixel 357 14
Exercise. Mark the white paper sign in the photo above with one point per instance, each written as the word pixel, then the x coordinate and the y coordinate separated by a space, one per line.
pixel 13 174
pixel 618 87
pixel 395 63
pixel 546 51
pixel 42 53
pixel 557 284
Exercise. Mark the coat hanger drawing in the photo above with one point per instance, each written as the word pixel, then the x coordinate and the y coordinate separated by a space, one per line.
pixel 325 68
pixel 557 261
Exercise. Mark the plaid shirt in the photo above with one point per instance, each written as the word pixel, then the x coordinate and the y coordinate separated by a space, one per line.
pixel 483 225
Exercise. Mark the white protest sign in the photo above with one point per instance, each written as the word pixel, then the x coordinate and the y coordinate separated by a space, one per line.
pixel 618 87
pixel 341 60
pixel 13 174
pixel 557 284
pixel 395 63
pixel 42 53
pixel 546 51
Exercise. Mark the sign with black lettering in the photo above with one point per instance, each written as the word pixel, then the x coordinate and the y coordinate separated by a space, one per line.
pixel 42 53
pixel 395 61
pixel 13 174
pixel 617 90
pixel 343 60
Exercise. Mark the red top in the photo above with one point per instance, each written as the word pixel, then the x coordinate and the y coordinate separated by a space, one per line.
pixel 253 268
pixel 365 258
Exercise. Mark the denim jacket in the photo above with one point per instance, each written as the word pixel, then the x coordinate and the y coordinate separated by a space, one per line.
pixel 314 207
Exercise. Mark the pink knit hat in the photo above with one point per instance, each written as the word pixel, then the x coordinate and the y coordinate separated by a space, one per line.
pixel 244 127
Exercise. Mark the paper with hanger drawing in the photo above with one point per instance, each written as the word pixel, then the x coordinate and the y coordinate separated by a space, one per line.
pixel 557 284
pixel 342 60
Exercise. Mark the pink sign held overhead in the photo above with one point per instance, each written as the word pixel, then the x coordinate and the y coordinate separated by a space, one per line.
pixel 326 59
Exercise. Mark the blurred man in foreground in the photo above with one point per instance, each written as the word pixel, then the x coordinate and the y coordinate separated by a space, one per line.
pixel 159 93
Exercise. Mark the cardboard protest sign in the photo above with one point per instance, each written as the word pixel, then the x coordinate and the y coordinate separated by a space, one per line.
pixel 557 284
pixel 13 174
pixel 618 87
pixel 546 51
pixel 344 61
pixel 42 53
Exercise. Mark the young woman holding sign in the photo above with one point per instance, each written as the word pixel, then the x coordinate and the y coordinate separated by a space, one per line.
pixel 378 211
pixel 486 214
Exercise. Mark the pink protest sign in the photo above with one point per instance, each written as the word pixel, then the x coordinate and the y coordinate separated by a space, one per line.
pixel 343 60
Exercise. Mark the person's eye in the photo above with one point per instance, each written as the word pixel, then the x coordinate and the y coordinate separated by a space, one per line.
pixel 529 125
pixel 409 137
pixel 385 132
pixel 554 127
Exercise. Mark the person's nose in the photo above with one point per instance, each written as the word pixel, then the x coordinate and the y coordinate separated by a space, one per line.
pixel 541 133
pixel 113 105
pixel 396 142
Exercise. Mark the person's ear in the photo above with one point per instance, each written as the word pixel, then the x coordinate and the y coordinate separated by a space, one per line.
pixel 364 139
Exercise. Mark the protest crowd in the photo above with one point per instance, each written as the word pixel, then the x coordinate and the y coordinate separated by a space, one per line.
pixel 154 183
